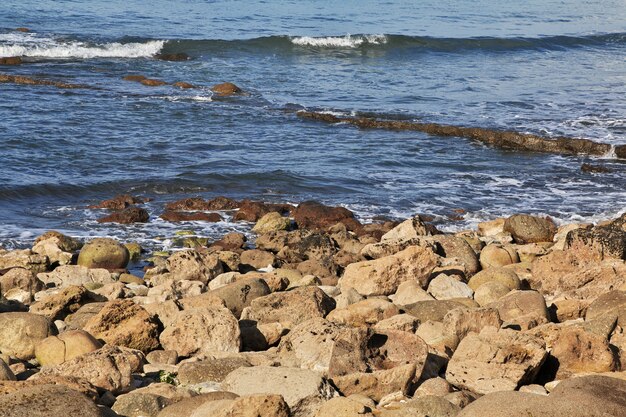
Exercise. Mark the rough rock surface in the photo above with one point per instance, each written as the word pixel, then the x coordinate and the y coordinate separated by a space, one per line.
pixel 104 253
pixel 47 401
pixel 20 333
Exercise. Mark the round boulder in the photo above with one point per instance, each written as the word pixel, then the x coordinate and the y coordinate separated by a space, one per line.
pixel 104 253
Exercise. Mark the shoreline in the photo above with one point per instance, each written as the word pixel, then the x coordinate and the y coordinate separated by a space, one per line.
pixel 481 318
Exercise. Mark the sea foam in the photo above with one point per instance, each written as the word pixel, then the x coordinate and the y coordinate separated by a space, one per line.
pixel 347 41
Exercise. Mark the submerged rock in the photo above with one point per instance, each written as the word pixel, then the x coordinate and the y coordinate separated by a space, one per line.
pixel 12 60
pixel 180 56
pixel 226 89
pixel 152 83
pixel 127 216
pixel 180 216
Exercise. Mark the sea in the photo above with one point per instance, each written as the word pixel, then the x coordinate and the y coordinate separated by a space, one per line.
pixel 547 67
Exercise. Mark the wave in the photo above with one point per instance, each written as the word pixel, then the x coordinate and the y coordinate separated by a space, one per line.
pixel 33 46
pixel 347 41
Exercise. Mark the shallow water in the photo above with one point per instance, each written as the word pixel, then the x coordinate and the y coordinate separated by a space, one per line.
pixel 535 67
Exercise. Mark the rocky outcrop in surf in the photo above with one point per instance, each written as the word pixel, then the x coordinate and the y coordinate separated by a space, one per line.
pixel 498 138
pixel 20 79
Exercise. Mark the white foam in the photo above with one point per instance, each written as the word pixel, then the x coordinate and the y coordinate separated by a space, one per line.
pixel 29 45
pixel 347 41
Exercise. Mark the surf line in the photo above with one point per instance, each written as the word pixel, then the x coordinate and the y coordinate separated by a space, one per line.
pixel 497 138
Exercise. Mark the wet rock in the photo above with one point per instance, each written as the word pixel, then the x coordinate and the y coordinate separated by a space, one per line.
pixel 103 253
pixel 184 85
pixel 123 201
pixel 124 323
pixel 314 215
pixel 47 401
pixel 272 222
pixel 383 276
pixel 55 350
pixel 252 211
pixel 202 331
pixel 194 265
pixel 495 360
pixel 22 29
pixel 180 56
pixel 20 333
pixel 530 229
pixel 179 216
pixel 20 79
pixel 595 169
pixel 598 243
pixel 127 216
pixel 303 390
pixel 109 368
pixel 575 397
pixel 137 78
pixel 152 83
pixel 226 89
pixel 289 308
pixel 12 60
pixel 67 301
pixel 198 204
pixel 364 313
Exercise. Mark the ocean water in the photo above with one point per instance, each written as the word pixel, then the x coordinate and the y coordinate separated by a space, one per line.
pixel 545 67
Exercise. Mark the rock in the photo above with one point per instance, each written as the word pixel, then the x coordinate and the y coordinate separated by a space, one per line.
pixel 445 287
pixel 187 406
pixel 377 384
pixel 127 216
pixel 427 406
pixel 11 60
pixel 194 265
pixel 403 322
pixel 610 303
pixel 237 295
pixel 525 309
pixel 23 80
pixel 303 390
pixel 47 401
pixel 6 374
pixel 25 259
pixel 103 253
pixel 260 337
pixel 289 308
pixel 210 370
pixel 407 230
pixel 121 202
pixel 343 407
pixel 166 357
pixel 315 216
pixel 410 292
pixel 198 204
pixel 258 259
pixel 461 321
pixel 497 256
pixel 575 397
pixel 231 242
pixel 600 242
pixel 490 292
pixel 67 275
pixel 140 405
pixel 495 360
pixel 70 344
pixel 136 78
pixel 364 313
pixel 457 247
pixel 57 247
pixel 20 333
pixel 67 301
pixel 152 83
pixel 261 405
pixel 202 331
pixel 271 222
pixel 20 278
pixel 184 85
pixel 180 56
pixel 181 216
pixel 530 229
pixel 124 323
pixel 383 276
pixel 433 310
pixel 505 276
pixel 226 89
pixel 109 368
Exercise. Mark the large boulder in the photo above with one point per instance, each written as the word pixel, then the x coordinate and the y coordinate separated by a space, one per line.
pixel 209 370
pixel 55 350
pixel 383 276
pixel 124 323
pixel 58 306
pixel 576 397
pixel 236 296
pixel 525 309
pixel 497 256
pixel 364 313
pixel 75 275
pixel 20 279
pixel 23 258
pixel 377 384
pixel 47 401
pixel 495 360
pixel 202 331
pixel 289 308
pixel 600 242
pixel 20 333
pixel 313 215
pixel 458 248
pixel 127 216
pixel 407 230
pixel 303 390
pixel 194 265
pixel 272 222
pixel 103 253
pixel 109 368
pixel 505 276
pixel 530 229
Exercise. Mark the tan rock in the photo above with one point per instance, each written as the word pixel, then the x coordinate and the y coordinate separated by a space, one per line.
pixel 25 259
pixel 202 330
pixel 461 321
pixel 66 275
pixel 491 227
pixel 434 310
pixel 6 374
pixel 103 253
pixel 445 287
pixel 343 407
pixel 410 292
pixel 490 292
pixel 408 229
pixel 47 401
pixel 377 384
pixel 364 313
pixel 505 276
pixel 236 296
pixel 526 309
pixel 383 276
pixel 55 350
pixel 495 360
pixel 458 248
pixel 497 256
pixel 260 405
pixel 194 265
pixel 530 229
pixel 209 370
pixel 20 333
pixel 271 222
pixel 403 322
pixel 186 407
pixel 67 301
pixel 124 323
pixel 20 278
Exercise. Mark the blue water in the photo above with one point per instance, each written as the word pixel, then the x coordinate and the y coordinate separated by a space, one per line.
pixel 546 67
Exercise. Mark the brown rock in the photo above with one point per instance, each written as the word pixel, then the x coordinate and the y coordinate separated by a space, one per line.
pixel 252 211
pixel 599 242
pixel 152 83
pixel 60 305
pixel 226 89
pixel 22 80
pixel 12 60
pixel 20 333
pixel 20 278
pixel 179 216
pixel 377 384
pixel 47 401
pixel 461 321
pixel 364 313
pixel 456 247
pixel 236 296
pixel 180 56
pixel 187 406
pixel 194 265
pixel 506 276
pixel 530 229
pixel 257 259
pixel 497 256
pixel 26 259
pixel 183 85
pixel 127 216
pixel 610 303
pixel 198 204
pixel 120 202
pixel 124 323
pixel 202 331
pixel 526 309
pixel 55 350
pixel 231 242
pixel 313 215
pixel 495 361
pixel 210 370
pixel 431 310
pixel 103 253
pixel 383 276
pixel 137 78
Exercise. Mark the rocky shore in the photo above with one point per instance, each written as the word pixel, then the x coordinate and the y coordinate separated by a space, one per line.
pixel 319 315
